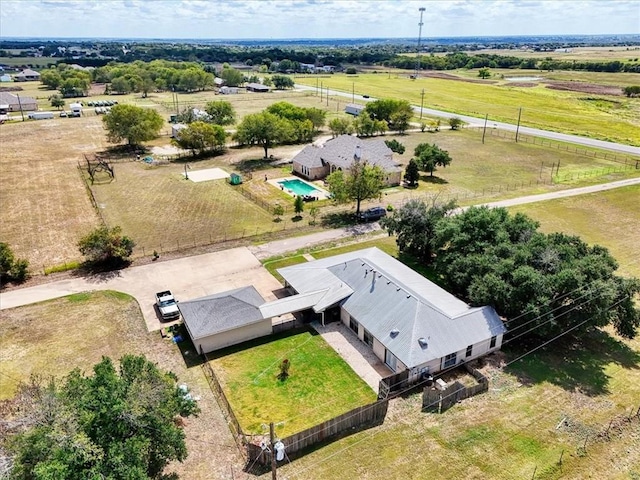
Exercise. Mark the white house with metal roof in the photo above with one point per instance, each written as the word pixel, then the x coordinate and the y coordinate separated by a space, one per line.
pixel 409 322
pixel 339 153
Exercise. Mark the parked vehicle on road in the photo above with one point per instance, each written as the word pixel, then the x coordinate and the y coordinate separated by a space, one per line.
pixel 372 214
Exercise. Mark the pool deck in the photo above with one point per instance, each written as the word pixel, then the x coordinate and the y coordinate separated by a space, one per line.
pixel 322 193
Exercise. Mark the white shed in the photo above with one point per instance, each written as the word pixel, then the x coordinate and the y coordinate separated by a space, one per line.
pixel 175 129
pixel 354 109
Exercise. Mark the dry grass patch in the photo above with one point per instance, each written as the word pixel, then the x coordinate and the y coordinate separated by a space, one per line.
pixel 45 208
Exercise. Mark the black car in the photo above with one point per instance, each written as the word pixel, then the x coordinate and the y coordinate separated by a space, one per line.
pixel 372 214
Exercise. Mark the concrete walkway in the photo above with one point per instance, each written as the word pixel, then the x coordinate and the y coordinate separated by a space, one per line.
pixel 359 356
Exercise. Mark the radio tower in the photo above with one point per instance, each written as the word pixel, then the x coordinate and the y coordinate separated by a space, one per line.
pixel 422 9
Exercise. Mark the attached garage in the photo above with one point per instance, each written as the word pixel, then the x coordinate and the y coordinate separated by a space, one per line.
pixel 225 319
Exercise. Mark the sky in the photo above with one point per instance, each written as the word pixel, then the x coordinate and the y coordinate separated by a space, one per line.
pixel 278 19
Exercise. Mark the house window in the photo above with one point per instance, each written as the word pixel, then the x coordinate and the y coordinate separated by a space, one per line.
pixel 493 342
pixel 368 338
pixel 391 360
pixel 450 360
pixel 469 350
pixel 353 324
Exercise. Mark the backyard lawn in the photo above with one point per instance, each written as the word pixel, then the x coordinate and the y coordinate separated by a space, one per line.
pixel 320 385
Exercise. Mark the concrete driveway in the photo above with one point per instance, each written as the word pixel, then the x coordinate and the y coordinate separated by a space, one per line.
pixel 187 278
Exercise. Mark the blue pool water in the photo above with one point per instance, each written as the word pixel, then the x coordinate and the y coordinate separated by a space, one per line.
pixel 298 187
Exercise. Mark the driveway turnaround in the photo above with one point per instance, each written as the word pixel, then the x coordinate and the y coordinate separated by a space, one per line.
pixel 187 278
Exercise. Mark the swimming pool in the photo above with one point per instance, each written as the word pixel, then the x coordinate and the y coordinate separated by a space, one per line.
pixel 298 187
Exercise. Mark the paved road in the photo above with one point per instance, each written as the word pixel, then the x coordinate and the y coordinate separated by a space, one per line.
pixel 199 275
pixel 478 122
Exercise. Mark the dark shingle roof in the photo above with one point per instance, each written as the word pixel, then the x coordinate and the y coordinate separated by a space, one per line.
pixel 221 312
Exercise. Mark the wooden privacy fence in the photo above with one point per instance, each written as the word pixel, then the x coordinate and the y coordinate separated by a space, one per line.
pixel 348 423
pixel 392 384
pixel 221 398
pixel 434 400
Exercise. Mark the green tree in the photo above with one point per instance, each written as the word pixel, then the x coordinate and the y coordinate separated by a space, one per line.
pixel 116 423
pixel 12 268
pixel 340 126
pixel 364 126
pixel 428 157
pixel 414 225
pixel 200 136
pixel 51 78
pixel 106 245
pixel 455 123
pixel 313 214
pixel 361 182
pixel 317 117
pixel 548 283
pixel 221 112
pixel 412 173
pixel 278 211
pixel 298 205
pixel 400 121
pixel 632 90
pixel 390 110
pixel 484 73
pixel 395 146
pixel 121 85
pixel 133 124
pixel 232 77
pixel 264 129
pixel 57 101
pixel 282 82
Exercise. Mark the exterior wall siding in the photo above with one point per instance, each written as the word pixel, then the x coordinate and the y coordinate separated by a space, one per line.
pixel 233 337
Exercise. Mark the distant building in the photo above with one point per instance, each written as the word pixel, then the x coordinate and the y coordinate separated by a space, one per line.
pixel 256 87
pixel 27 75
pixel 13 102
pixel 224 90
pixel 354 109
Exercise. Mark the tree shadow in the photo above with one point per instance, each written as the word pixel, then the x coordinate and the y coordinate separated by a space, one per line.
pixel 100 272
pixel 253 164
pixel 434 180
pixel 297 218
pixel 338 220
pixel 573 363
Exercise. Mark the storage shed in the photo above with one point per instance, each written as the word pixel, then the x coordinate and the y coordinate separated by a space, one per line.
pixel 235 179
pixel 354 109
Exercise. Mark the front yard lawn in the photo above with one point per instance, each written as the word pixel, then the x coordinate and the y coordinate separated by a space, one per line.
pixel 320 385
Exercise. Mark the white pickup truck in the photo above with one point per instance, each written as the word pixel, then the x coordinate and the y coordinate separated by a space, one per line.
pixel 167 305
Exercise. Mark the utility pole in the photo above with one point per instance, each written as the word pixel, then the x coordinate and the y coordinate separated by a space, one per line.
pixel 421 102
pixel 321 90
pixel 327 96
pixel 421 9
pixel 353 92
pixel 518 126
pixel 20 104
pixel 484 130
pixel 274 465
pixel 316 87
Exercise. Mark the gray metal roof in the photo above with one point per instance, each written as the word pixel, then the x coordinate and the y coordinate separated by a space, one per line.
pixel 221 312
pixel 387 295
pixel 294 303
pixel 340 152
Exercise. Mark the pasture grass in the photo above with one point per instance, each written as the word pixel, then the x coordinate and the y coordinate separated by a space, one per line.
pixel 564 111
pixel 249 375
pixel 610 218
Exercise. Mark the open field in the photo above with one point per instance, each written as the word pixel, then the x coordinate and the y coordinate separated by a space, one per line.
pixel 607 118
pixel 508 432
pixel 249 376
pixel 46 208
pixel 609 53
pixel 610 219
pixel 52 338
